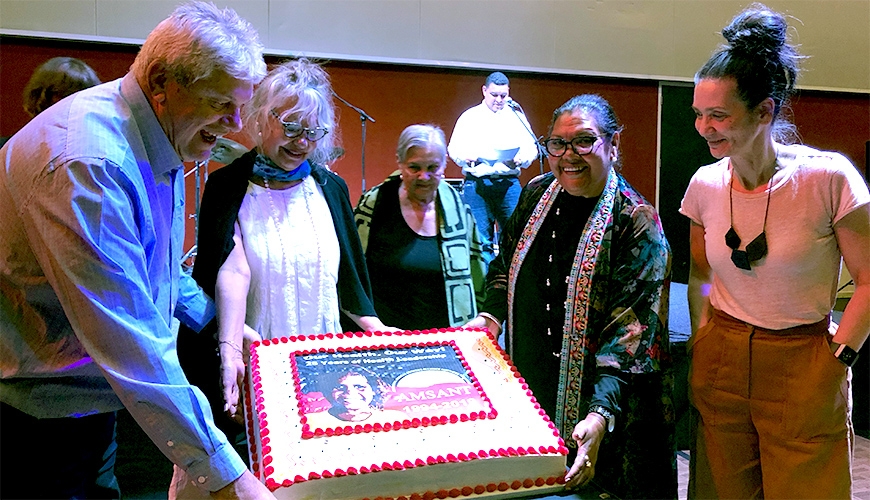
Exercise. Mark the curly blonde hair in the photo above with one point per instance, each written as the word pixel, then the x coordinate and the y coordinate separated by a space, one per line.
pixel 307 87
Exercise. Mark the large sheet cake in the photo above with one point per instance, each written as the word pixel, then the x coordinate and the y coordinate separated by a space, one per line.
pixel 413 415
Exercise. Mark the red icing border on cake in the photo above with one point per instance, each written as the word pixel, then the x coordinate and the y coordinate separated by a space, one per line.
pixel 263 471
pixel 249 412
pixel 479 489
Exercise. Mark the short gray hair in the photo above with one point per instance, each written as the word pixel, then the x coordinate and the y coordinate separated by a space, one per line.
pixel 421 136
pixel 199 38
pixel 307 85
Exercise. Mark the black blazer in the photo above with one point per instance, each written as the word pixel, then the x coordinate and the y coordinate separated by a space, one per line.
pixel 221 201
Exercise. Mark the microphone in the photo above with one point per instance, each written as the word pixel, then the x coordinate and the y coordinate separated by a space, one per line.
pixel 513 104
pixel 226 151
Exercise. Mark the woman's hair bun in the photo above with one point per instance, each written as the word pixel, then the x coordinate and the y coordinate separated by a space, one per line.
pixel 756 30
pixel 760 59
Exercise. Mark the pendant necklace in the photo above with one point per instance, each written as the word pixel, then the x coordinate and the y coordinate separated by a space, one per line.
pixel 757 248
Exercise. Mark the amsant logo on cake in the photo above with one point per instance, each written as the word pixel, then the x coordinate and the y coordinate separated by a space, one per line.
pixel 386 385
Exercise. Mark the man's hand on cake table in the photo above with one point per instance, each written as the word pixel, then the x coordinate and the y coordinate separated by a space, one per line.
pixel 588 434
pixel 233 362
pixel 485 320
pixel 245 487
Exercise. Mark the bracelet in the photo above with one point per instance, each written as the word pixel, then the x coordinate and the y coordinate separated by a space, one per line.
pixel 231 344
pixel 489 317
pixel 609 417
pixel 844 353
pixel 492 318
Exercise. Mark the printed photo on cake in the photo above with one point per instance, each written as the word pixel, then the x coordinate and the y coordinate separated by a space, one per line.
pixel 385 386
pixel 350 394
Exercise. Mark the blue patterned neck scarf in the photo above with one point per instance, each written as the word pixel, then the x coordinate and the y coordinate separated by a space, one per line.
pixel 266 168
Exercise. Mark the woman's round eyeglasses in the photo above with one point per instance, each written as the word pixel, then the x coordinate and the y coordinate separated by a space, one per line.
pixel 295 129
pixel 582 145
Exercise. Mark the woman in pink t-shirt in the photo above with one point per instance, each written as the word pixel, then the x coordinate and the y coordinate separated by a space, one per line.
pixel 770 224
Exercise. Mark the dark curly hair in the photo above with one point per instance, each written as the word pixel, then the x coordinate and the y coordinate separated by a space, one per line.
pixel 327 382
pixel 761 61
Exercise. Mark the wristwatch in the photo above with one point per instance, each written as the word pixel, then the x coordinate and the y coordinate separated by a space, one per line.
pixel 844 353
pixel 608 415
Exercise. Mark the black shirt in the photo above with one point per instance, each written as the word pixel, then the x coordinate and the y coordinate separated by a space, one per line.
pixel 539 313
pixel 405 269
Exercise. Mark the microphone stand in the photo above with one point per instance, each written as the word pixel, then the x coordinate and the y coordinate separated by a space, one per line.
pixel 200 171
pixel 515 106
pixel 363 118
pixel 225 151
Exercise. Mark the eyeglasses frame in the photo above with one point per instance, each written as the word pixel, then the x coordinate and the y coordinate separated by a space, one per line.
pixel 543 144
pixel 302 130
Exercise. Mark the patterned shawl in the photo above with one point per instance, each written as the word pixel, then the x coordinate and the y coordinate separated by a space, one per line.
pixel 617 300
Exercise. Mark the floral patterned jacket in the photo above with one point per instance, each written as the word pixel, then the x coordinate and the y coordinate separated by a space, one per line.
pixel 617 293
pixel 615 322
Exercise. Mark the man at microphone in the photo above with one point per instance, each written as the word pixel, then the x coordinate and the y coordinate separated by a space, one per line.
pixel 492 142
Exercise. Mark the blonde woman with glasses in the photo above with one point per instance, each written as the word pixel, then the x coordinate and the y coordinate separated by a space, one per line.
pixel 278 248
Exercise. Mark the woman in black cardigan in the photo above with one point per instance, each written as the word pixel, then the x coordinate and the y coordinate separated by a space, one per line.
pixel 277 245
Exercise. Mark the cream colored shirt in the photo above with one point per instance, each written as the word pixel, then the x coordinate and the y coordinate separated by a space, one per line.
pixel 293 253
pixel 480 133
pixel 796 282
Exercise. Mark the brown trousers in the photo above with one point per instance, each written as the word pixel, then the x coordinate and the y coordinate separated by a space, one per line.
pixel 773 413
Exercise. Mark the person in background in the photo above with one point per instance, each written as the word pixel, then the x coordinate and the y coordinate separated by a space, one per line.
pixel 277 249
pixel 581 283
pixel 483 135
pixel 92 218
pixel 416 229
pixel 770 222
pixel 52 81
pixel 55 79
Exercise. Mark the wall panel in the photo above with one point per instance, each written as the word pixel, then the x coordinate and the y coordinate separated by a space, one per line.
pixel 394 95
pixel 666 39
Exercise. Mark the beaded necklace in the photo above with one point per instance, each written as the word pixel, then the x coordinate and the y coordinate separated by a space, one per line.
pixel 291 300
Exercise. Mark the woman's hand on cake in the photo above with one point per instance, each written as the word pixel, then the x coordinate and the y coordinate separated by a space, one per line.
pixel 249 336
pixel 232 377
pixel 371 323
pixel 588 434
pixel 485 320
pixel 233 361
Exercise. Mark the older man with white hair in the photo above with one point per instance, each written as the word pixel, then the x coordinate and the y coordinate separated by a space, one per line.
pixel 92 224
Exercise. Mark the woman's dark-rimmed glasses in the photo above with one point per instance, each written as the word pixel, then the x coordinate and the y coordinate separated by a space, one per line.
pixel 294 129
pixel 582 145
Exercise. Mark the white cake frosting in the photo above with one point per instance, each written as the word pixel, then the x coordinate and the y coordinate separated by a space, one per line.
pixel 473 435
